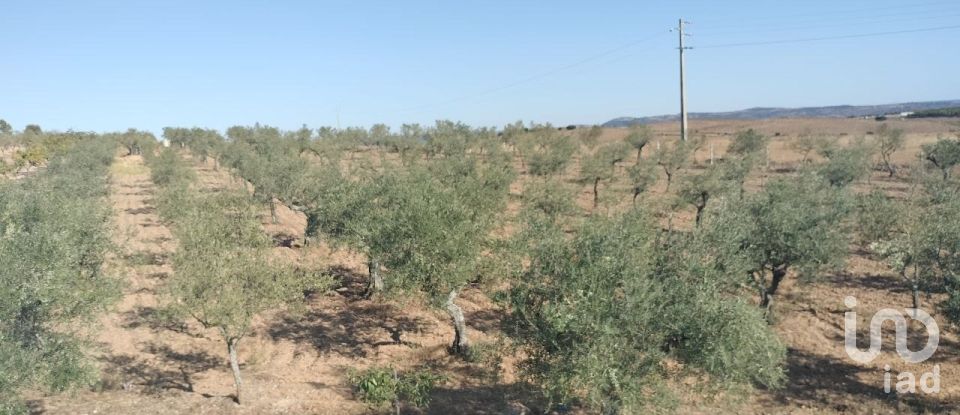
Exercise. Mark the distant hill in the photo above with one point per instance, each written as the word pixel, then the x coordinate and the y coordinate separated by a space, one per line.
pixel 759 113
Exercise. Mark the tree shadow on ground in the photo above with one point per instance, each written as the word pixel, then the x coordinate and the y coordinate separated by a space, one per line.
pixel 351 284
pixel 876 282
pixel 484 399
pixel 152 318
pixel 351 332
pixel 285 240
pixel 169 370
pixel 824 382
pixel 142 258
pixel 146 210
pixel 486 320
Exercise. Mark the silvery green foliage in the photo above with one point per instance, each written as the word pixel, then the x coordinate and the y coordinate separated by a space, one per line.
pixel 599 314
pixel 924 245
pixel 697 190
pixel 793 225
pixel 672 158
pixel 878 216
pixel 600 166
pixel 747 143
pixel 53 238
pixel 638 138
pixel 889 140
pixel 846 164
pixel 944 155
pixel 223 276
pixel 546 152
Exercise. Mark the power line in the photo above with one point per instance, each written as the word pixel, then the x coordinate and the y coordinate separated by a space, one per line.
pixel 541 74
pixel 816 39
pixel 871 21
pixel 820 15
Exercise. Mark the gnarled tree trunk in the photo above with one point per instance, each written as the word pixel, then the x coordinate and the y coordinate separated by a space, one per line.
pixel 376 280
pixel 273 211
pixel 596 194
pixel 767 294
pixel 460 341
pixel 235 365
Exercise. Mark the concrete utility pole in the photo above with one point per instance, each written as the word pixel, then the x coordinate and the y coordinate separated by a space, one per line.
pixel 683 92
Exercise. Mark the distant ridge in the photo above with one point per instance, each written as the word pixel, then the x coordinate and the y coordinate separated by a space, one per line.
pixel 759 113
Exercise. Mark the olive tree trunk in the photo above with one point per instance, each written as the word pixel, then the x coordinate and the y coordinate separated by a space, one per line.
pixel 768 293
pixel 596 194
pixel 460 341
pixel 273 211
pixel 376 280
pixel 235 365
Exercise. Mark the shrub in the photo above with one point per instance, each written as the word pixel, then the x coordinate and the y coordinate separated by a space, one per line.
pixel 382 386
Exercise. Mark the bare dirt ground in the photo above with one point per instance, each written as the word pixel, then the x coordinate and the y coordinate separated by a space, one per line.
pixel 297 363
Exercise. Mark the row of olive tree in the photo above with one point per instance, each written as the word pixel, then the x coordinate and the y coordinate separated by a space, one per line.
pixel 223 274
pixel 54 235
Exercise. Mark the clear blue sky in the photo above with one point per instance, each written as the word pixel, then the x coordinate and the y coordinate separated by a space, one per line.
pixel 109 65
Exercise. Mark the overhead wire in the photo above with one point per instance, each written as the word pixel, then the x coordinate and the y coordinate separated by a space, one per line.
pixel 823 38
pixel 541 75
pixel 870 19
pixel 833 14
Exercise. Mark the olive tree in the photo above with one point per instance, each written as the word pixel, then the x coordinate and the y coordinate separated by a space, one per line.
pixel 698 189
pixel 222 274
pixel 347 213
pixel 672 159
pixel 601 165
pixel 54 237
pixel 748 142
pixel 598 314
pixel 547 153
pixel 136 142
pixel 845 165
pixel 889 141
pixel 590 137
pixel 923 246
pixel 32 129
pixel 793 224
pixel 643 176
pixel 268 160
pixel 638 138
pixel 551 198
pixel 944 155
pixel 5 127
pixel 435 225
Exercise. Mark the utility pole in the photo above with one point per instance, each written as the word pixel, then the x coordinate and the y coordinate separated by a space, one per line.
pixel 683 92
